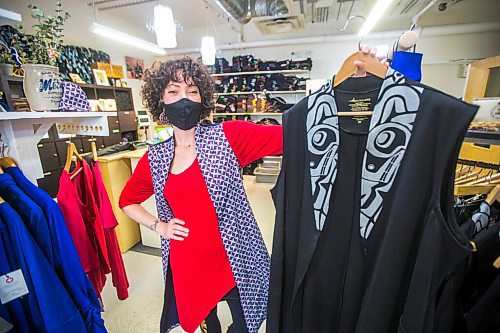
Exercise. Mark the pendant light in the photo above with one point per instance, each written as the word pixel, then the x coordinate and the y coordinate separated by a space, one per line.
pixel 207 45
pixel 208 50
pixel 165 27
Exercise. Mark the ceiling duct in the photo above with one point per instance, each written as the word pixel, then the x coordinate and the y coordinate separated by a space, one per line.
pixel 269 8
pixel 243 10
pixel 283 24
pixel 239 10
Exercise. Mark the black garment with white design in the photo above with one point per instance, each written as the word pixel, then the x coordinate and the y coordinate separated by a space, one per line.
pixel 365 237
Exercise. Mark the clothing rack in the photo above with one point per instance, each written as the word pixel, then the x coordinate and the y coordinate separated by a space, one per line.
pixel 478 164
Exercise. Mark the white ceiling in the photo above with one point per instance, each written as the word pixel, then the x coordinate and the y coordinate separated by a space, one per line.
pixel 196 20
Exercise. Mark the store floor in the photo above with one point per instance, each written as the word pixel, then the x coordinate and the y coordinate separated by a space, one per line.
pixel 141 311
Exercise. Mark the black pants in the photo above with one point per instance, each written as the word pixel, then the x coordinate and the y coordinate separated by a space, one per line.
pixel 233 301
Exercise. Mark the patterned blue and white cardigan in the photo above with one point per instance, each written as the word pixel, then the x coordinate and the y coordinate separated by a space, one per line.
pixel 243 242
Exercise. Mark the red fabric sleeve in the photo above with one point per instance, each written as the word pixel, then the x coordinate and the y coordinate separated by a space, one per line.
pixel 251 141
pixel 140 186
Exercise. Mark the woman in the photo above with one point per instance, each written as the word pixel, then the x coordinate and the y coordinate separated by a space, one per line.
pixel 212 248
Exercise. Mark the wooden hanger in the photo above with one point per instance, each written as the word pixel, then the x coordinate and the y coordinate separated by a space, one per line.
pixel 489 179
pixel 7 162
pixel 72 150
pixel 493 196
pixel 348 68
pixel 1 199
pixel 94 152
pixel 467 177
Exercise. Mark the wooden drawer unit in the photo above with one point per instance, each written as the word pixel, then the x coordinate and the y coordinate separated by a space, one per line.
pixel 127 121
pixel 48 156
pixel 50 182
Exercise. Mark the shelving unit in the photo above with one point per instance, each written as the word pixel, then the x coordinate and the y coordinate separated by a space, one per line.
pixel 263 92
pixel 22 132
pixel 482 137
pixel 271 114
pixel 38 140
pixel 284 72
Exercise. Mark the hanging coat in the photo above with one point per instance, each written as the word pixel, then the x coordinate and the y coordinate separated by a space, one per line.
pixel 31 214
pixel 50 308
pixel 13 311
pixel 66 261
pixel 404 247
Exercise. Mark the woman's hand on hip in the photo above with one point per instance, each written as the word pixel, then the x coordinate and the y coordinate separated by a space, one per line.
pixel 173 229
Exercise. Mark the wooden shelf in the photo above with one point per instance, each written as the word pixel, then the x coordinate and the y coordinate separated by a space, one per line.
pixel 287 71
pixel 263 92
pixel 271 114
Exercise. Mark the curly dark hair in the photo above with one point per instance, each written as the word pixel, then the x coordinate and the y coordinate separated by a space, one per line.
pixel 185 69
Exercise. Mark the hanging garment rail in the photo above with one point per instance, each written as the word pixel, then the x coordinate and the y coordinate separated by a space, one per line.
pixel 491 166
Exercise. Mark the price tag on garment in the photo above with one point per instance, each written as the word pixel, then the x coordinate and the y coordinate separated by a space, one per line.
pixel 12 286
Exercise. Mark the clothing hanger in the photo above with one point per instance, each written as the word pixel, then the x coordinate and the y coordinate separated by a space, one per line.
pixel 348 69
pixel 467 177
pixel 72 150
pixel 493 196
pixel 94 151
pixel 489 179
pixel 7 162
pixel 1 199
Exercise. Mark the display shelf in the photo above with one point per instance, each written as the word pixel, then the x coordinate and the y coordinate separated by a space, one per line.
pixel 482 137
pixel 52 115
pixel 287 71
pixel 263 92
pixel 271 114
pixel 22 131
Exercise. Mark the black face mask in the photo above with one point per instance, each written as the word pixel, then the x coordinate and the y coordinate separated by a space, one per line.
pixel 183 114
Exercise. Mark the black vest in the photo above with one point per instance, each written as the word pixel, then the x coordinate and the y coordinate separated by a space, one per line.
pixel 369 244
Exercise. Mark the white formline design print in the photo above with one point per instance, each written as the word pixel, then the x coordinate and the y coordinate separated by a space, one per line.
pixel 322 143
pixel 390 132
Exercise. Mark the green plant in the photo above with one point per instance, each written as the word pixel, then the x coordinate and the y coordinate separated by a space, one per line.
pixel 6 57
pixel 47 38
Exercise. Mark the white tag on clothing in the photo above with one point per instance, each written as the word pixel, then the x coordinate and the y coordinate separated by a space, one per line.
pixel 12 286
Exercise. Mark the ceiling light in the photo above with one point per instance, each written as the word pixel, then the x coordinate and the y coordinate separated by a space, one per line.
pixel 10 15
pixel 126 39
pixel 208 50
pixel 377 11
pixel 164 25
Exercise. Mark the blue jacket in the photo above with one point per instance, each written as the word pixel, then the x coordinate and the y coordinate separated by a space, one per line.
pixel 13 311
pixel 31 214
pixel 66 261
pixel 50 307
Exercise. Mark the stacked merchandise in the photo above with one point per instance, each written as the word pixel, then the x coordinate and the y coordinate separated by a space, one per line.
pixel 249 83
pixel 36 250
pixel 21 105
pixel 248 63
pixel 251 104
pixel 91 222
